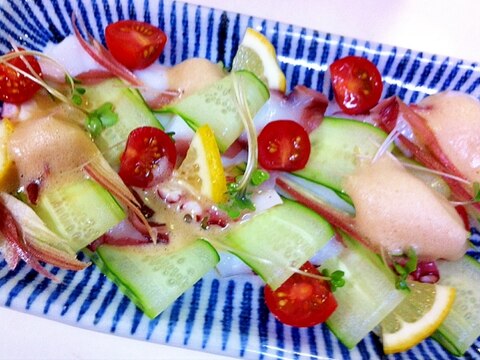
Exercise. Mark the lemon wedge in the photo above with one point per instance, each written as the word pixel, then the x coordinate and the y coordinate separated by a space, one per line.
pixel 8 176
pixel 202 167
pixel 417 317
pixel 257 54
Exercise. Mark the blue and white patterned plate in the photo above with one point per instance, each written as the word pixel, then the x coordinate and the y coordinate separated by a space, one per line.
pixel 225 316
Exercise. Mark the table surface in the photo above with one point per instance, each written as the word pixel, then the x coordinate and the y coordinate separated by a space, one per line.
pixel 432 26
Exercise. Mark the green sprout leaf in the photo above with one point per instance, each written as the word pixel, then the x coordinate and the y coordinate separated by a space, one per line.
pixel 412 262
pixel 259 177
pixel 336 279
pixel 404 266
pixel 239 202
pixel 77 90
pixel 77 99
pixel 94 126
pixel 101 118
pixel 240 198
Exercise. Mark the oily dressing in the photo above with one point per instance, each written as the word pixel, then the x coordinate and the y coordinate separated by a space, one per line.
pixel 51 149
pixel 183 227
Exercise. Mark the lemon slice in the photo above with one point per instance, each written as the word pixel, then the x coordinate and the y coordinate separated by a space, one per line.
pixel 202 167
pixel 417 317
pixel 257 54
pixel 8 176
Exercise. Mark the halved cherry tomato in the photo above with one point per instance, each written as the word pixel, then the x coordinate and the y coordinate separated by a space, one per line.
pixel 301 301
pixel 149 157
pixel 357 84
pixel 283 145
pixel 14 87
pixel 134 44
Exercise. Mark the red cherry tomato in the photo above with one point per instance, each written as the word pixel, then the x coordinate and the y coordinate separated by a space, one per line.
pixel 135 44
pixel 301 301
pixel 14 87
pixel 283 145
pixel 149 157
pixel 357 84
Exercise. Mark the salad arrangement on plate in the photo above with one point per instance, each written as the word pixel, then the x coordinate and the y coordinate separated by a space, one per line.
pixel 355 213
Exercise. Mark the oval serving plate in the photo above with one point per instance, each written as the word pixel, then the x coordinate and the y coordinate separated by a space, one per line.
pixel 225 316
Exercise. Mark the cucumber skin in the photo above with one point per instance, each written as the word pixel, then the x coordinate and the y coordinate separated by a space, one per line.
pixel 464 275
pixel 336 146
pixel 204 107
pixel 91 203
pixel 366 279
pixel 132 113
pixel 149 289
pixel 273 235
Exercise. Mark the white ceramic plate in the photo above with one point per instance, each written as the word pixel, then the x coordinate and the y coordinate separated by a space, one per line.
pixel 217 315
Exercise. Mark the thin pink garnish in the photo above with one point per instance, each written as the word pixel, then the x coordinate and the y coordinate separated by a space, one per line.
pixel 21 246
pixel 103 57
pixel 426 150
pixel 336 218
pixel 110 180
pixel 162 99
pixel 93 77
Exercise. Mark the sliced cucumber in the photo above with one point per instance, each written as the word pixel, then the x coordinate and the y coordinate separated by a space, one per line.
pixel 368 296
pixel 461 328
pixel 217 106
pixel 131 110
pixel 151 276
pixel 79 211
pixel 280 238
pixel 337 147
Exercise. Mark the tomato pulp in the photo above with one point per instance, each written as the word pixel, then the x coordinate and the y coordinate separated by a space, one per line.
pixel 301 301
pixel 357 84
pixel 149 157
pixel 283 145
pixel 135 44
pixel 15 87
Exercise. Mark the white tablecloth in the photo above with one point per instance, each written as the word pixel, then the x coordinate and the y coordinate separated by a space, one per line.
pixel 442 27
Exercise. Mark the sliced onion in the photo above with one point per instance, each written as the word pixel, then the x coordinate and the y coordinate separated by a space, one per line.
pixel 326 194
pixel 337 218
pixel 10 111
pixel 332 249
pixel 230 265
pixel 266 199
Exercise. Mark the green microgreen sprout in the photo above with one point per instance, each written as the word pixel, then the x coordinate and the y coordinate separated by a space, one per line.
pixel 404 265
pixel 336 278
pixel 101 118
pixel 259 176
pixel 238 201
